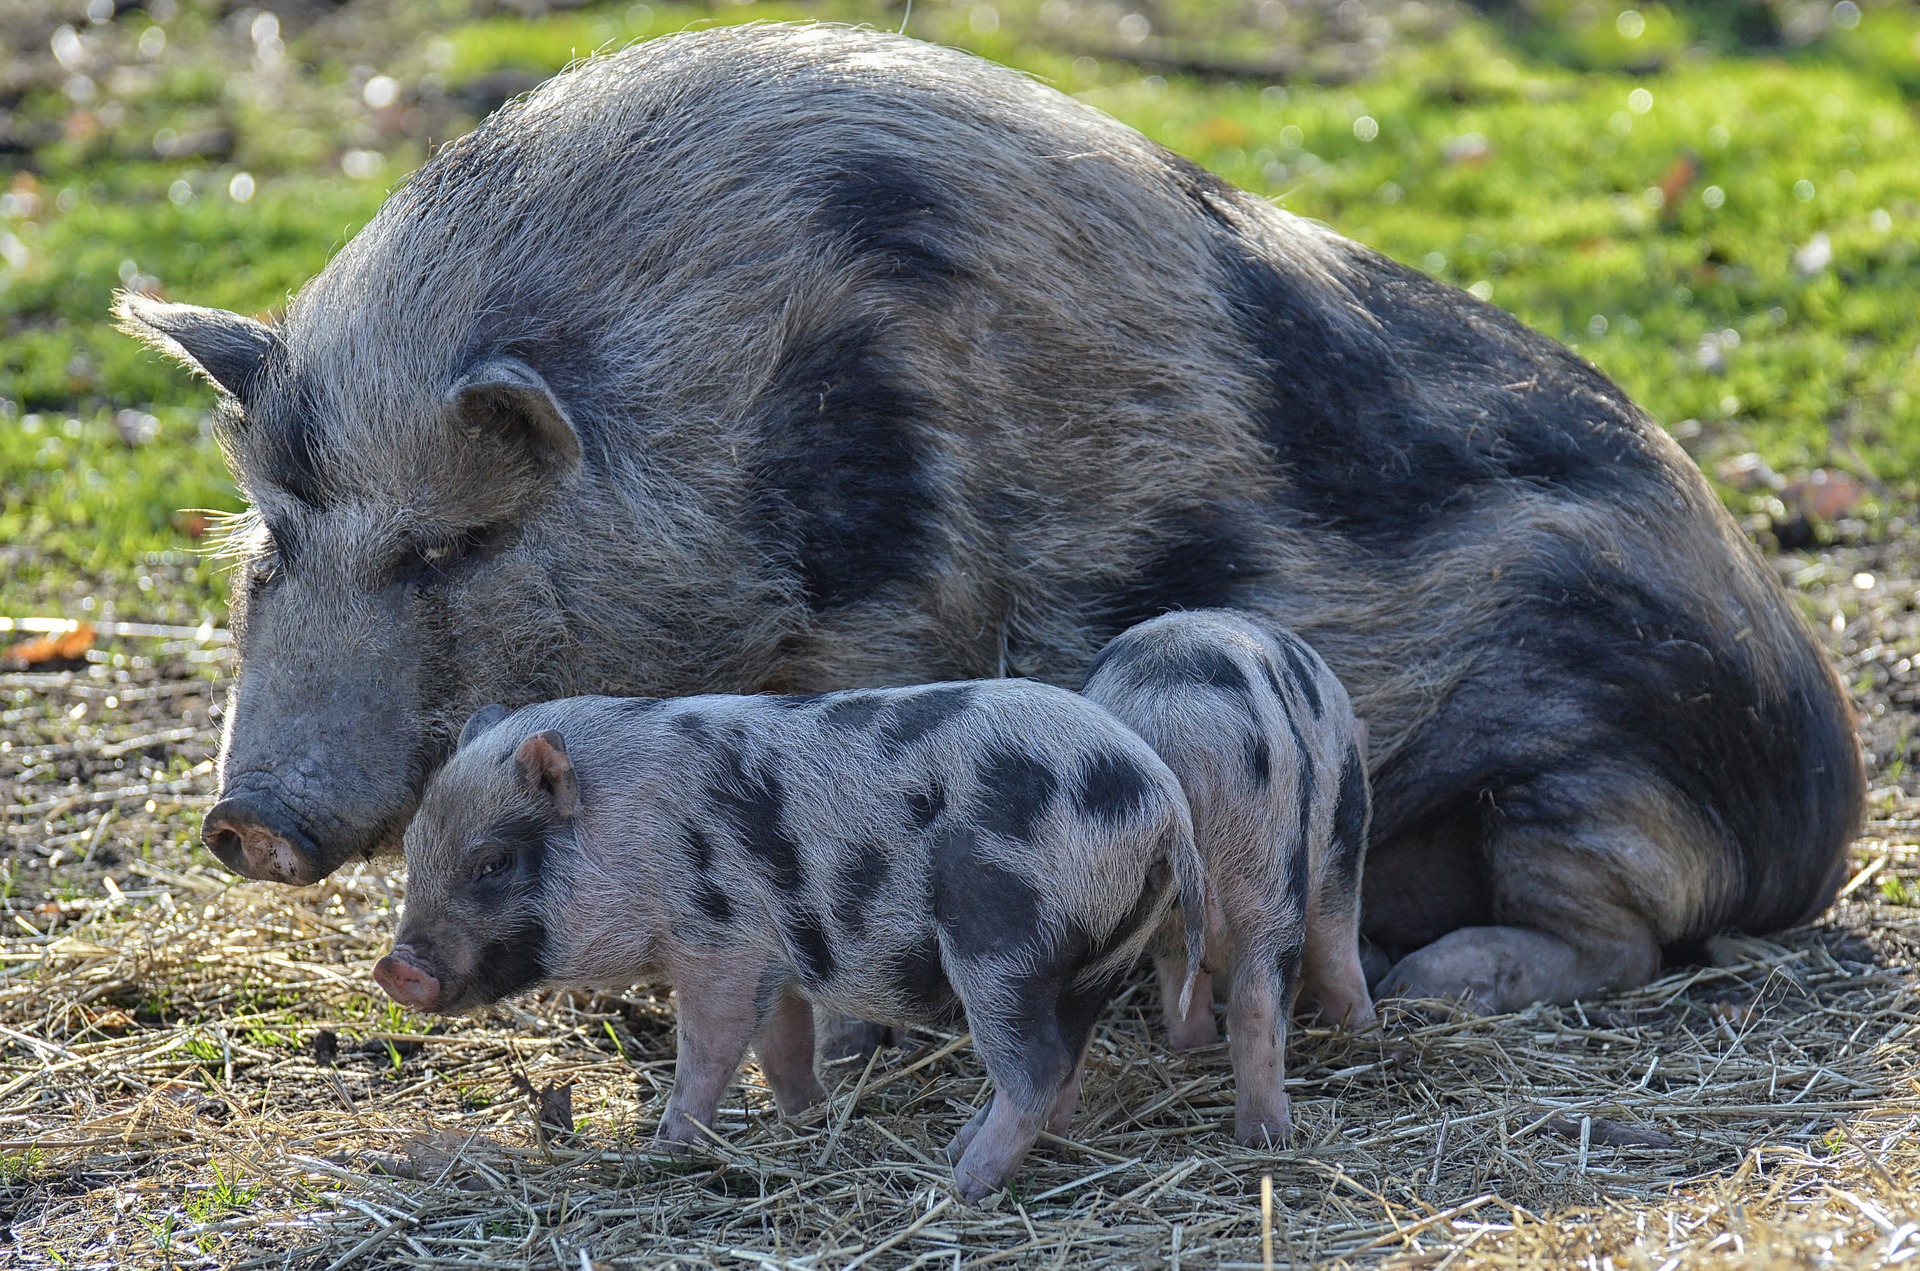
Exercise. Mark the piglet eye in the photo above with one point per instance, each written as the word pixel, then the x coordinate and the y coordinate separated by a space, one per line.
pixel 498 865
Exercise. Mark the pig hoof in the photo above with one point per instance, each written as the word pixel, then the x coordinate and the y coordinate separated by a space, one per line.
pixel 1193 1033
pixel 958 1148
pixel 1263 1131
pixel 843 1037
pixel 972 1189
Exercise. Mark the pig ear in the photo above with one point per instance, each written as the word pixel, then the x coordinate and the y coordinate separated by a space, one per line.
pixel 225 347
pixel 542 760
pixel 483 719
pixel 504 396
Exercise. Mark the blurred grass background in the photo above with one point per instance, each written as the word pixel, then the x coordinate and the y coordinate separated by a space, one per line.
pixel 1716 202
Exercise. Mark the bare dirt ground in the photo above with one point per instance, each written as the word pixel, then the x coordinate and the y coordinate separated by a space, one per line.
pixel 197 1071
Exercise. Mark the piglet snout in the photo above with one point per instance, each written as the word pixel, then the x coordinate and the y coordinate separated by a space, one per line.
pixel 406 981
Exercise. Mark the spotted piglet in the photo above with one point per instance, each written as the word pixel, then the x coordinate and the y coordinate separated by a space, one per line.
pixel 1001 849
pixel 1265 743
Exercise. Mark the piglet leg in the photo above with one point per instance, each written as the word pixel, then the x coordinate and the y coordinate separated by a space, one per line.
pixel 1006 1134
pixel 1196 1028
pixel 785 1048
pixel 1257 1043
pixel 717 1020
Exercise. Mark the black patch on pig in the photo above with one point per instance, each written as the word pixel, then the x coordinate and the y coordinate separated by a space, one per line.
pixel 1112 789
pixel 1260 762
pixel 915 715
pixel 812 950
pixel 853 710
pixel 511 962
pixel 858 884
pixel 1302 673
pixel 524 835
pixel 1389 423
pixel 892 218
pixel 1212 667
pixel 924 806
pixel 714 903
pixel 1309 782
pixel 1015 791
pixel 752 803
pixel 920 979
pixel 840 487
pixel 1204 558
pixel 699 848
pixel 1120 652
pixel 982 907
pixel 1349 825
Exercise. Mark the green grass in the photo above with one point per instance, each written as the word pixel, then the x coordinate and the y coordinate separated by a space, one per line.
pixel 1634 180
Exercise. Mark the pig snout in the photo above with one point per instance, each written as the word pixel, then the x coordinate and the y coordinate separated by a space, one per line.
pixel 257 838
pixel 406 980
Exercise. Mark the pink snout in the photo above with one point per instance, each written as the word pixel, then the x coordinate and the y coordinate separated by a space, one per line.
pixel 406 980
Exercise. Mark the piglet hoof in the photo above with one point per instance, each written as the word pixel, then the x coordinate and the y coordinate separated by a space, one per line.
pixel 971 1188
pixel 1195 1031
pixel 791 1102
pixel 844 1037
pixel 958 1148
pixel 1263 1128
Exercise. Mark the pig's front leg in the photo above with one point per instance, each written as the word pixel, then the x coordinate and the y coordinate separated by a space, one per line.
pixel 785 1048
pixel 717 1019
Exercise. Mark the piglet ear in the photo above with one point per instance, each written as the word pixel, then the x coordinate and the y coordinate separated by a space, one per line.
pixel 483 719
pixel 504 397
pixel 542 759
pixel 225 347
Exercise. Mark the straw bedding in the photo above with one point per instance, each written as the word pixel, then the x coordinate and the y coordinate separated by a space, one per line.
pixel 197 1071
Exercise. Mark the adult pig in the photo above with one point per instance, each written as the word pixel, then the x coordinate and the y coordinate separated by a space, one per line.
pixel 797 358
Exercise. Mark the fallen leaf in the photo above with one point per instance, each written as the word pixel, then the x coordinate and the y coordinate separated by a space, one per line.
pixel 1825 495
pixel 59 647
pixel 552 1107
pixel 1679 177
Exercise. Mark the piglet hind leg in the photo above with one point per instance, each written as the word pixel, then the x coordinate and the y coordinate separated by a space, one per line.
pixel 785 1051
pixel 1257 1005
pixel 718 1018
pixel 1195 1028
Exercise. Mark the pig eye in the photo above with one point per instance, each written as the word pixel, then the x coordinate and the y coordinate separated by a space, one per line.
pixel 498 865
pixel 428 561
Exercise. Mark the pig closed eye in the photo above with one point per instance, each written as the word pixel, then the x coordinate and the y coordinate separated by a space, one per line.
pixel 428 562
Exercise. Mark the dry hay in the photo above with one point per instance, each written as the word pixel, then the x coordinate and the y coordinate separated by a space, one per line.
pixel 196 1071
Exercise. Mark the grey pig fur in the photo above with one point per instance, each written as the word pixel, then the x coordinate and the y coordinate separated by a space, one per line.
pixel 794 358
pixel 1003 847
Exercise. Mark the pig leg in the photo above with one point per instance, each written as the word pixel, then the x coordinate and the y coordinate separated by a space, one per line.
pixel 1568 920
pixel 1257 1003
pixel 1060 1120
pixel 1332 978
pixel 1196 1028
pixel 1034 1056
pixel 717 1023
pixel 785 1050
pixel 1494 970
pixel 844 1037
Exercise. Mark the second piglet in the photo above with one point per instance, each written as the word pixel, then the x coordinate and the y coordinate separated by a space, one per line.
pixel 1000 848
pixel 1261 735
